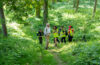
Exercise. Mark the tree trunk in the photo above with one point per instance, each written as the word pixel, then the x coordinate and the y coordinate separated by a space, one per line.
pixel 45 11
pixel 38 9
pixel 53 1
pixel 58 0
pixel 74 3
pixel 77 5
pixel 94 10
pixel 2 19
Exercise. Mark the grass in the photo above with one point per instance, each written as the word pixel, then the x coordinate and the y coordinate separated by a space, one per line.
pixel 22 47
pixel 81 53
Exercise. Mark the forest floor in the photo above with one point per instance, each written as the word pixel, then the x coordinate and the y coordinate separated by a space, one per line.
pixel 55 52
pixel 23 48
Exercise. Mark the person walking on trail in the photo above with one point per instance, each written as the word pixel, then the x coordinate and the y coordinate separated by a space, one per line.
pixel 63 35
pixel 47 32
pixel 70 33
pixel 40 36
pixel 55 35
pixel 59 30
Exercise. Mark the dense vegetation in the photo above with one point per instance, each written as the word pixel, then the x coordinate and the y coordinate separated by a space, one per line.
pixel 19 44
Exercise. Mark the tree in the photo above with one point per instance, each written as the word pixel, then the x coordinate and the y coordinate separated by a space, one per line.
pixel 2 19
pixel 19 9
pixel 94 10
pixel 77 5
pixel 45 11
pixel 38 8
pixel 53 1
pixel 58 0
pixel 74 3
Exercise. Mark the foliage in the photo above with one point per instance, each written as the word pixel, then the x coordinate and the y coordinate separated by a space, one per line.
pixel 21 47
pixel 82 54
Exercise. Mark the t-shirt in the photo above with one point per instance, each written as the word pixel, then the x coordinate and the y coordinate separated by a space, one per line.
pixel 47 31
pixel 40 33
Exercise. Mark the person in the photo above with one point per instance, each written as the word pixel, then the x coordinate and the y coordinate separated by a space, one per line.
pixel 47 32
pixel 40 36
pixel 59 30
pixel 70 33
pixel 55 35
pixel 63 35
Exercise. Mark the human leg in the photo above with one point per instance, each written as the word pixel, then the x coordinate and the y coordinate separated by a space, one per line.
pixel 47 42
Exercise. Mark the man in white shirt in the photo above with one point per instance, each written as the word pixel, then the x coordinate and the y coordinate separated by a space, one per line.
pixel 47 32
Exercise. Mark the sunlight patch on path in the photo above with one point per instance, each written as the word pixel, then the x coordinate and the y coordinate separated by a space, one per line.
pixel 59 61
pixel 55 52
pixel 56 57
pixel 64 47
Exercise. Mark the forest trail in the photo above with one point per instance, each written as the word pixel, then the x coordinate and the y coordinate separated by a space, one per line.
pixel 55 53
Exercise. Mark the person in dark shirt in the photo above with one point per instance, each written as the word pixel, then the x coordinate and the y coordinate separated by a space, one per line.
pixel 40 36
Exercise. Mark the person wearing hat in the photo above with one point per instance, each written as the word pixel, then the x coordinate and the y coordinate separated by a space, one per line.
pixel 47 32
pixel 55 35
pixel 70 33
pixel 40 36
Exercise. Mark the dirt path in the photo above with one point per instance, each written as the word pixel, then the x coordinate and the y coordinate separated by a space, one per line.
pixel 56 53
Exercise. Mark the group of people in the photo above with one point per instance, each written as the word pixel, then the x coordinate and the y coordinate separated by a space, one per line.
pixel 59 35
